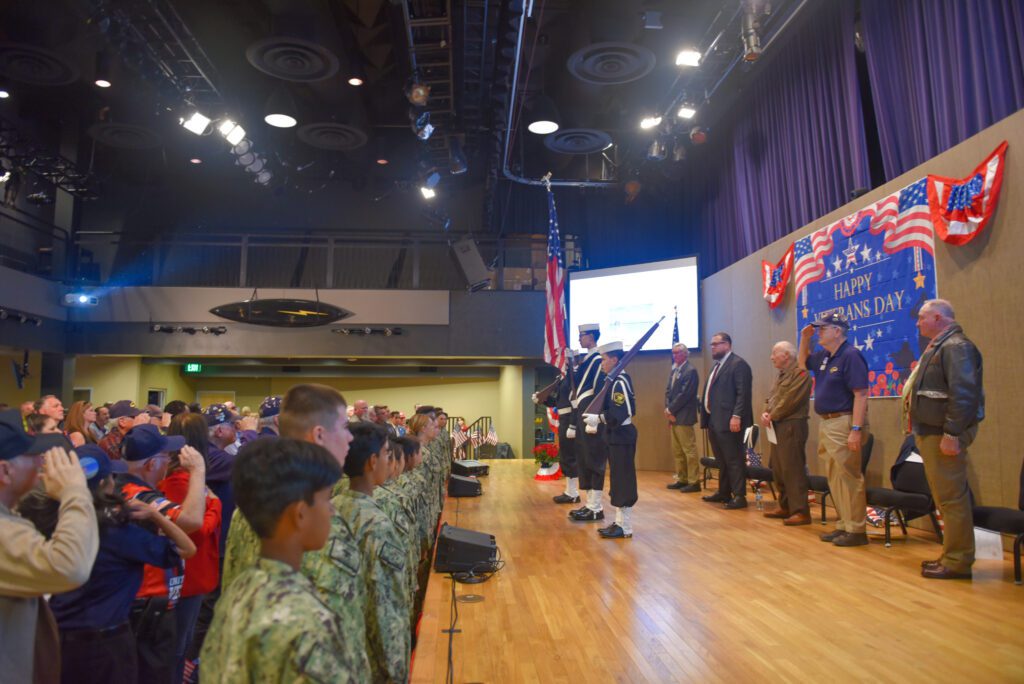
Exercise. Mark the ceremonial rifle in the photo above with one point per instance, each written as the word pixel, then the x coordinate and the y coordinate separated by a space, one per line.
pixel 598 399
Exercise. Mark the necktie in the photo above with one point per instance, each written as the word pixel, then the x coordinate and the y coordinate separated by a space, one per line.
pixel 707 390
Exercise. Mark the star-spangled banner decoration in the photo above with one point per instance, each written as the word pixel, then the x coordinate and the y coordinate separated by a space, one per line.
pixel 775 277
pixel 960 208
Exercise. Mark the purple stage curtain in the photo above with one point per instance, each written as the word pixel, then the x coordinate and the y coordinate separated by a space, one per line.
pixel 940 71
pixel 795 147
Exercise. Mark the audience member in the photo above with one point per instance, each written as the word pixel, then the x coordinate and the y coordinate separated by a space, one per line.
pixel 786 412
pixel 270 409
pixel 27 408
pixel 153 621
pixel 30 565
pixel 99 428
pixel 41 424
pixel 271 626
pixel 50 405
pixel 81 417
pixel 175 408
pixel 125 415
pixel 220 458
pixel 359 410
pixel 97 644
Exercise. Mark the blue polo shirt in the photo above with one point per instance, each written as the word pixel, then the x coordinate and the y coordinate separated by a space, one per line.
pixel 106 598
pixel 836 376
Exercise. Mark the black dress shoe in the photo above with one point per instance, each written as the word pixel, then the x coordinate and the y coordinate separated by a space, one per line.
pixel 690 489
pixel 715 498
pixel 614 532
pixel 736 502
pixel 851 539
pixel 565 499
pixel 577 511
pixel 942 572
pixel 675 485
pixel 588 516
pixel 926 563
pixel 833 535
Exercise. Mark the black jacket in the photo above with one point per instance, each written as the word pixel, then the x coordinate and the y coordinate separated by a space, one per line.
pixel 948 395
pixel 681 394
pixel 730 396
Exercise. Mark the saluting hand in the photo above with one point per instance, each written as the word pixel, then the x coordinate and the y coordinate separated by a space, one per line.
pixel 807 332
pixel 61 470
pixel 192 461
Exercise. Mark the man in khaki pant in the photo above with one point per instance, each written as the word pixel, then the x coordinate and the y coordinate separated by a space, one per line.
pixel 946 404
pixel 841 400
pixel 681 412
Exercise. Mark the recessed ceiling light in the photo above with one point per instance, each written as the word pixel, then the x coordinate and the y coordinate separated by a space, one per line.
pixel 195 160
pixel 542 127
pixel 382 161
pixel 280 120
pixel 102 83
pixel 355 81
pixel 4 94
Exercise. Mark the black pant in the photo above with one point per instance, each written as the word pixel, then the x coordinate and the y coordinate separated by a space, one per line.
pixel 622 462
pixel 98 657
pixel 567 447
pixel 156 631
pixel 732 462
pixel 595 459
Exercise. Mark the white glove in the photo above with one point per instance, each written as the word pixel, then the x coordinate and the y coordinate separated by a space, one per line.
pixel 570 432
pixel 535 398
pixel 592 420
pixel 575 403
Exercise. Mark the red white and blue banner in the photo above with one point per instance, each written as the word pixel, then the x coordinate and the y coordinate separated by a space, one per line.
pixel 962 207
pixel 775 278
pixel 876 267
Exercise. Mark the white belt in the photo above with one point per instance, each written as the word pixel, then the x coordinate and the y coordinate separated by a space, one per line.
pixel 628 421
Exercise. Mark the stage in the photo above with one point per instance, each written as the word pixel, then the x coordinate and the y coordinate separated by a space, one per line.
pixel 707 595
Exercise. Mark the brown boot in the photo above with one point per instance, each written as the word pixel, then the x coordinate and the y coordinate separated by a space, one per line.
pixel 778 513
pixel 798 519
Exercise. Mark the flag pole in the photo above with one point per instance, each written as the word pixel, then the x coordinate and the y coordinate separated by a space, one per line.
pixel 598 399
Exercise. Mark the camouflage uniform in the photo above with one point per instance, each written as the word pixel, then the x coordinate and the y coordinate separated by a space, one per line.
pixel 385 574
pixel 396 505
pixel 270 626
pixel 336 574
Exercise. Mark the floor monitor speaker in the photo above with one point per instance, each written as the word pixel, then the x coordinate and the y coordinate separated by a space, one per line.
pixel 459 485
pixel 470 467
pixel 462 550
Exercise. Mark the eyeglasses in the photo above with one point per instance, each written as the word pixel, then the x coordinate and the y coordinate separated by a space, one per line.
pixel 718 344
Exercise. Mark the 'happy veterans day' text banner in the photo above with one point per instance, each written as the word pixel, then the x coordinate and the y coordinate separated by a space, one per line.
pixel 877 267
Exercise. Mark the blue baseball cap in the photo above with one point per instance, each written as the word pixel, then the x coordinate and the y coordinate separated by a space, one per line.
pixel 834 318
pixel 95 464
pixel 145 441
pixel 14 441
pixel 271 406
pixel 218 414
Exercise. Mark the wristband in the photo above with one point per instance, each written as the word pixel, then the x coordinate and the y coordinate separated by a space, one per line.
pixel 949 436
pixel 855 428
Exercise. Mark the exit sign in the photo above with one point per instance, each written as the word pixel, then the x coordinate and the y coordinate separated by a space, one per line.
pixel 193 368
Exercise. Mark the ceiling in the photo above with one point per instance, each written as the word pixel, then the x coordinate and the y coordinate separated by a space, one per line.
pixel 601 65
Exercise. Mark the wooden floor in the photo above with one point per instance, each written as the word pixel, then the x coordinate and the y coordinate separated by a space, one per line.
pixel 701 594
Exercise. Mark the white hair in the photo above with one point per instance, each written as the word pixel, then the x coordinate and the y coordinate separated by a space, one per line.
pixel 941 307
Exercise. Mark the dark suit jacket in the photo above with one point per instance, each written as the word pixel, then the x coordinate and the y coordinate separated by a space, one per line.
pixel 730 396
pixel 681 394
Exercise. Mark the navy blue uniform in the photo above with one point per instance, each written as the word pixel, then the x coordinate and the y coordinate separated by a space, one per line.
pixel 620 435
pixel 592 454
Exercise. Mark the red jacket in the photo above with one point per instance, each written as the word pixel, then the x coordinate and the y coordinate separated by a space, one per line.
pixel 202 571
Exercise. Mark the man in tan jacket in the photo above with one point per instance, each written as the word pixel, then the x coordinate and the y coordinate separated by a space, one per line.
pixel 786 410
pixel 31 565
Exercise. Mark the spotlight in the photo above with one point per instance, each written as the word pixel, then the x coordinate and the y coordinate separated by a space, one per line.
pixel 280 111
pixel 382 161
pixel 4 94
pixel 355 81
pixel 751 41
pixel 678 150
pixel 456 159
pixel 421 125
pixel 246 159
pixel 264 177
pixel 657 150
pixel 257 165
pixel 102 79
pixel 698 135
pixel 650 122
pixel 416 91
pixel 241 148
pixel 231 131
pixel 195 160
pixel 427 192
pixel 687 112
pixel 688 58
pixel 427 189
pixel 196 123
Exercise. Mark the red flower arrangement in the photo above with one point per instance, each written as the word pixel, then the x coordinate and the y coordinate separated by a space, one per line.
pixel 545 454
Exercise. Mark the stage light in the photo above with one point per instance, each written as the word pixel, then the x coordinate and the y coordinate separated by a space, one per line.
pixel 417 91
pixel 102 83
pixel 688 58
pixel 4 94
pixel 427 192
pixel 650 122
pixel 382 161
pixel 355 81
pixel 241 148
pixel 678 150
pixel 457 164
pixel 280 110
pixel 196 123
pixel 687 112
pixel 246 159
pixel 421 124
pixel 80 299
pixel 657 150
pixel 698 136
pixel 264 177
pixel 231 131
pixel 257 165
pixel 751 41
pixel 195 160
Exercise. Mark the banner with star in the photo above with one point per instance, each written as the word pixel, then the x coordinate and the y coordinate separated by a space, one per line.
pixel 876 267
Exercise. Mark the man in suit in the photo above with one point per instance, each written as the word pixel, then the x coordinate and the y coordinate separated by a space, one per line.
pixel 726 411
pixel 681 412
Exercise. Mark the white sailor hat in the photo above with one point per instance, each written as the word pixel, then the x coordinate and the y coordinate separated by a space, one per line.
pixel 590 327
pixel 609 347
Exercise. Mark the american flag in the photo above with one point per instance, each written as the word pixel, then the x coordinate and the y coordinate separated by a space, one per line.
pixel 492 436
pixel 554 317
pixel 808 253
pixel 459 438
pixel 961 207
pixel 675 326
pixel 906 219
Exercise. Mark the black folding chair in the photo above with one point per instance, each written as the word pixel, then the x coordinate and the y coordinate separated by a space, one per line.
pixel 819 483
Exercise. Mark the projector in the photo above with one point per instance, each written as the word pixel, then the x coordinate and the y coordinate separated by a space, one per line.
pixel 80 299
